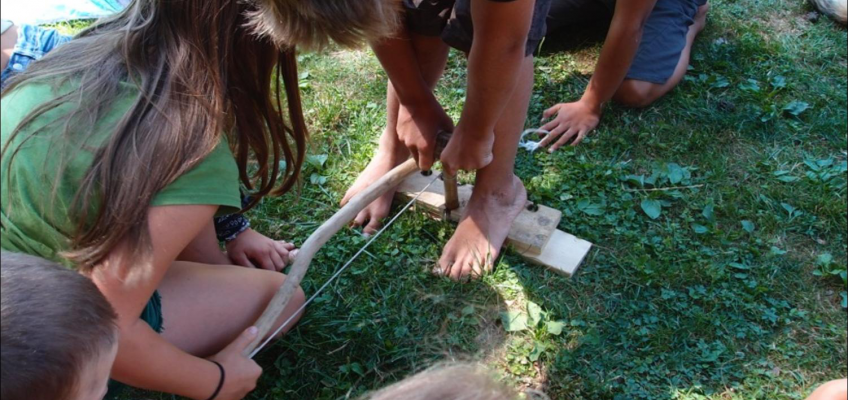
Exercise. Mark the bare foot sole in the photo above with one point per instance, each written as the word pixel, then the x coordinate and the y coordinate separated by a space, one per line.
pixel 384 161
pixel 477 242
pixel 701 17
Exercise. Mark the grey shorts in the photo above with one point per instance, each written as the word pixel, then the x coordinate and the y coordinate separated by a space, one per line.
pixel 664 36
pixel 451 20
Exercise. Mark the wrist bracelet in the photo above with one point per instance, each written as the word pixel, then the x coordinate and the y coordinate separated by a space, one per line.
pixel 221 382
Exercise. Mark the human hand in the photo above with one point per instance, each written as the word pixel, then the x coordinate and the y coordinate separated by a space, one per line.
pixel 573 121
pixel 468 151
pixel 241 373
pixel 417 128
pixel 251 248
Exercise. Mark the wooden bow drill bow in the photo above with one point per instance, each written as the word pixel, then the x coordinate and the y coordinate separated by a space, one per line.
pixel 337 222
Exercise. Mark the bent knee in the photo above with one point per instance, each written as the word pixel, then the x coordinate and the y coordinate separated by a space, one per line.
pixel 291 315
pixel 637 94
pixel 835 390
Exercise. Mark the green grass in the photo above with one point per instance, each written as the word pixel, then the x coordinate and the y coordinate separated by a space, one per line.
pixel 732 292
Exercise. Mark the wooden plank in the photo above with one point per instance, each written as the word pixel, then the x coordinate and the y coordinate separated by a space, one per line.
pixel 563 254
pixel 534 234
pixel 530 232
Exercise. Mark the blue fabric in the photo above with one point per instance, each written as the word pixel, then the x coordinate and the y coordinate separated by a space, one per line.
pixel 50 11
pixel 34 42
pixel 228 227
pixel 663 39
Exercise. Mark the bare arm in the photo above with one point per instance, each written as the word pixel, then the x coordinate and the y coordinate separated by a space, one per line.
pixel 398 59
pixel 576 120
pixel 500 41
pixel 620 48
pixel 145 359
pixel 497 54
pixel 426 116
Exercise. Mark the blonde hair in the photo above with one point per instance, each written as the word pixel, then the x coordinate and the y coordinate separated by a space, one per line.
pixel 313 24
pixel 447 382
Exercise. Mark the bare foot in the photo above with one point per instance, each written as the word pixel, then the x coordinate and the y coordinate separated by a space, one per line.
pixel 482 231
pixel 701 18
pixel 384 161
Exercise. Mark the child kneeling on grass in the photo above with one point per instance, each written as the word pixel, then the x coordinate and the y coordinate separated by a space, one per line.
pixel 499 37
pixel 24 44
pixel 120 146
pixel 59 334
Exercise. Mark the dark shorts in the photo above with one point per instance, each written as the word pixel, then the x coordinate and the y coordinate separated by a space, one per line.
pixel 664 36
pixel 451 19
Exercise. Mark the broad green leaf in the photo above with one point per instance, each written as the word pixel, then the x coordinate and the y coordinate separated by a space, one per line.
pixel 824 259
pixel 779 82
pixel 750 85
pixel 719 81
pixel 709 212
pixel 777 251
pixel 590 208
pixel 317 161
pixel 676 173
pixel 468 311
pixel 739 266
pixel 555 327
pixel 514 321
pixel 788 178
pixel 652 208
pixel 700 229
pixel 748 226
pixel 796 107
pixel 535 313
pixel 318 179
pixel 537 352
pixel 844 299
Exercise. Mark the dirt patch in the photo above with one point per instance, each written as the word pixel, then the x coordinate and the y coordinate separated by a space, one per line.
pixel 784 23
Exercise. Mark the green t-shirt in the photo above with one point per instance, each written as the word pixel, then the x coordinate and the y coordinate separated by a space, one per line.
pixel 37 222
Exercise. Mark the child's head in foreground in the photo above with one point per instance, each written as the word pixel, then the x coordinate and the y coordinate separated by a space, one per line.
pixel 447 382
pixel 58 333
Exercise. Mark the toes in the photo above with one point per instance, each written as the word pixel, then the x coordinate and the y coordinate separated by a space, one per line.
pixel 460 268
pixel 446 263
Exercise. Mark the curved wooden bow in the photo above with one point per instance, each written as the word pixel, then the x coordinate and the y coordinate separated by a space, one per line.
pixel 337 222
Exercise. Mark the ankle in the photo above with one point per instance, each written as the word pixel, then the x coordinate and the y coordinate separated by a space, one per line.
pixel 505 185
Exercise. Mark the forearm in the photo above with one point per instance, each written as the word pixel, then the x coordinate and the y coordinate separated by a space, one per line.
pixel 620 47
pixel 500 40
pixel 616 58
pixel 397 56
pixel 147 361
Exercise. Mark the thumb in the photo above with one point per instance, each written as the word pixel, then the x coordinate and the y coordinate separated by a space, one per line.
pixel 245 339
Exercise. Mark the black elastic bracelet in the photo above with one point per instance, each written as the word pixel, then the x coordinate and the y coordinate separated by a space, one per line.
pixel 221 382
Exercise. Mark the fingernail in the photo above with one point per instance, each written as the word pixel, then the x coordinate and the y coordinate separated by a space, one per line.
pixel 252 331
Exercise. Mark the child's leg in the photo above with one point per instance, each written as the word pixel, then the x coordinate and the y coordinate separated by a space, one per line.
pixel 204 309
pixel 637 93
pixel 432 55
pixel 8 40
pixel 836 390
pixel 499 196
